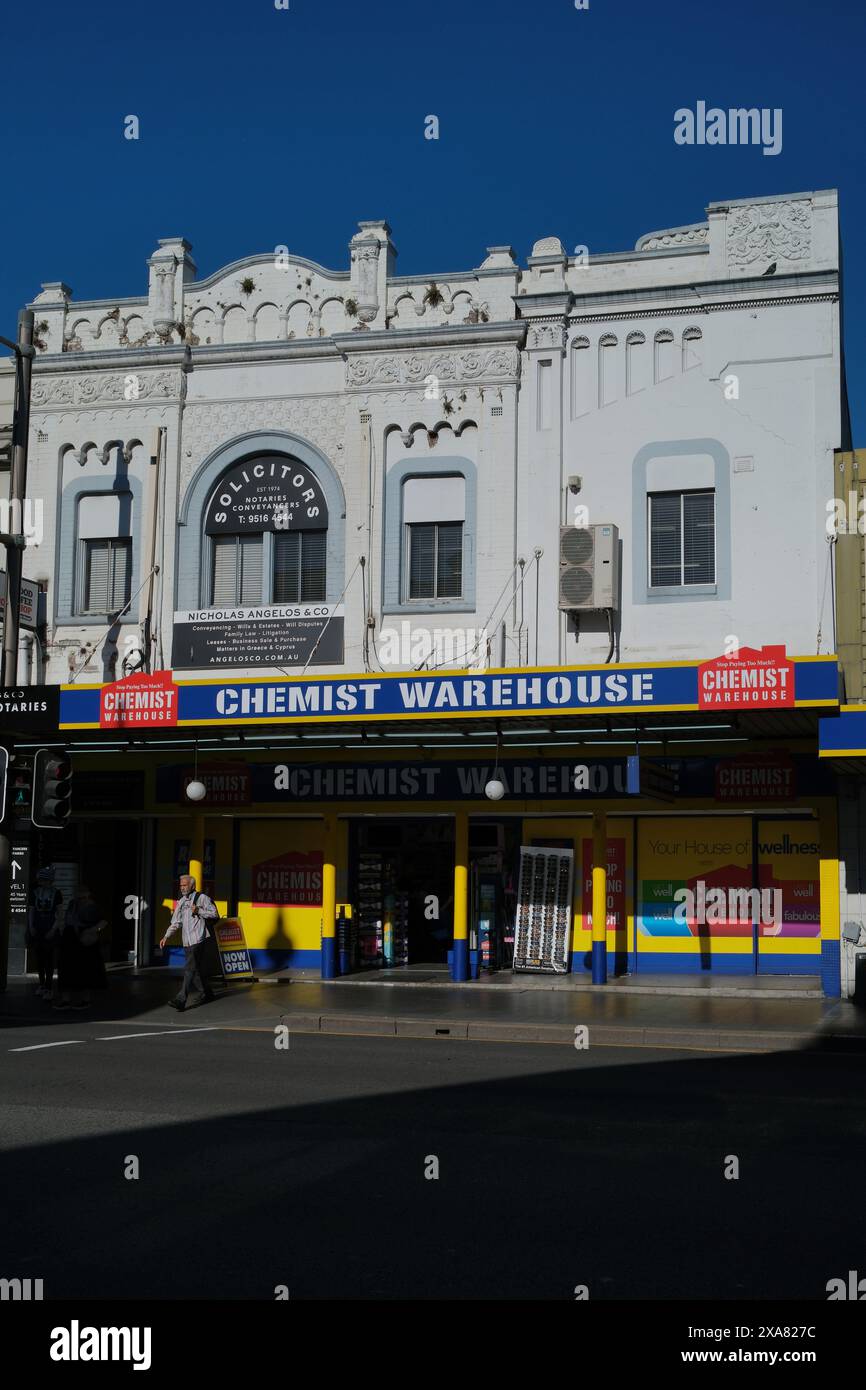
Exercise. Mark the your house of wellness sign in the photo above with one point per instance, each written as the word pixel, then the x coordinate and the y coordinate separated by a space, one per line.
pixel 503 694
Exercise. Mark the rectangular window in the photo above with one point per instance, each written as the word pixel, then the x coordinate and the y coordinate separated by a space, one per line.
pixel 435 559
pixel 107 574
pixel 237 570
pixel 682 548
pixel 299 566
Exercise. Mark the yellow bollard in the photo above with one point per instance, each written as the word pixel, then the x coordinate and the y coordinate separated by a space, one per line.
pixel 599 897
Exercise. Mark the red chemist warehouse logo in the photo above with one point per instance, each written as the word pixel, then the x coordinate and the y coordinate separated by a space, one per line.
pixel 767 776
pixel 293 879
pixel 747 679
pixel 139 702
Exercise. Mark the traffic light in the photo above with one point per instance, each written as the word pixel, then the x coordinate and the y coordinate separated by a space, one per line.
pixel 52 790
pixel 20 786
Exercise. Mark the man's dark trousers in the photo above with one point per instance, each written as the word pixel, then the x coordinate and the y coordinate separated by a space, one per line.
pixel 193 980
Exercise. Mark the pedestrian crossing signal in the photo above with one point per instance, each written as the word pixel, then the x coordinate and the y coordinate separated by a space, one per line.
pixel 52 790
pixel 20 786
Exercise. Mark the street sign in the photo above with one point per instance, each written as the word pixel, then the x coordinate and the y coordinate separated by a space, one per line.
pixel 19 900
pixel 27 709
pixel 20 788
pixel 31 605
pixel 234 954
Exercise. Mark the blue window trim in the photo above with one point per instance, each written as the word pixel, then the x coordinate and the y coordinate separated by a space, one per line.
pixel 393 535
pixel 192 554
pixel 68 592
pixel 642 593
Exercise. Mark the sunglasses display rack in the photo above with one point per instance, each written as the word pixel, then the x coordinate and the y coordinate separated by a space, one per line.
pixel 542 932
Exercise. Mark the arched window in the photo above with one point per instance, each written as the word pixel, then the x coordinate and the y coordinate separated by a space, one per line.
pixel 266 526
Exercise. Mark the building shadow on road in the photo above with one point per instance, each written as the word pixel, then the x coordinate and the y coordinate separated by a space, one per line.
pixel 556 1168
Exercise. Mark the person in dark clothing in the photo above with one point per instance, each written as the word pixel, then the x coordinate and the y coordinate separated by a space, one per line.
pixel 41 927
pixel 81 965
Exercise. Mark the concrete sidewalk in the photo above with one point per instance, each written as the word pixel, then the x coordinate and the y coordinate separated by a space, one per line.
pixel 613 1017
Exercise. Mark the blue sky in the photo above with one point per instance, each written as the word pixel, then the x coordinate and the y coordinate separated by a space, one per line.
pixel 261 127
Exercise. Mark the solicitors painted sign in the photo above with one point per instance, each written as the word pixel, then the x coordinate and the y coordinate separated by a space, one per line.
pixel 271 493
pixel 534 691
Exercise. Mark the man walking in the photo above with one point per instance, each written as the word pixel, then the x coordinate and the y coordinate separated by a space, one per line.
pixel 190 915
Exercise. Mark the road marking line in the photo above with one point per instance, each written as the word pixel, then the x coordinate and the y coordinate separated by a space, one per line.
pixel 70 1042
pixel 164 1033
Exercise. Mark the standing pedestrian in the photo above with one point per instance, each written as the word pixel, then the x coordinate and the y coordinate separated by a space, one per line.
pixel 82 968
pixel 192 912
pixel 41 921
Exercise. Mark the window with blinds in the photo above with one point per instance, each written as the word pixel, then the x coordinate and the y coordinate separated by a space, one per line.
pixel 237 570
pixel 299 566
pixel 434 559
pixel 682 529
pixel 107 574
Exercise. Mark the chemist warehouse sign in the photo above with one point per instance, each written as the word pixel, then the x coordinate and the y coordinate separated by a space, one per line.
pixel 533 690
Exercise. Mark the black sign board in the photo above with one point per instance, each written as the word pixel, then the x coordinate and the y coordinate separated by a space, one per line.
pixel 264 635
pixel 30 709
pixel 97 790
pixel 19 901
pixel 267 493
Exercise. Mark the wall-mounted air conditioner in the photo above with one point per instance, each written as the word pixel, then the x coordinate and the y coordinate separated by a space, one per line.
pixel 589 567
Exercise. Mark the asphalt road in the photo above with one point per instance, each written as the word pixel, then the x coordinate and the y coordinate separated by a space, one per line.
pixel 305 1167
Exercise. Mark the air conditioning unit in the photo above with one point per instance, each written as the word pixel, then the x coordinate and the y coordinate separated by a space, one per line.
pixel 589 567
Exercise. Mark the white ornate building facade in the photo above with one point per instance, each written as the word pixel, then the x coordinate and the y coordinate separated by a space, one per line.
pixel 283 487
pixel 708 359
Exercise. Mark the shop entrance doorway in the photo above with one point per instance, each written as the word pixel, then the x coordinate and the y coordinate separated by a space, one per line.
pixel 402 889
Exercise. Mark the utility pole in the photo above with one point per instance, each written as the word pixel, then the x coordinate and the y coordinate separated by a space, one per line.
pixel 14 541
